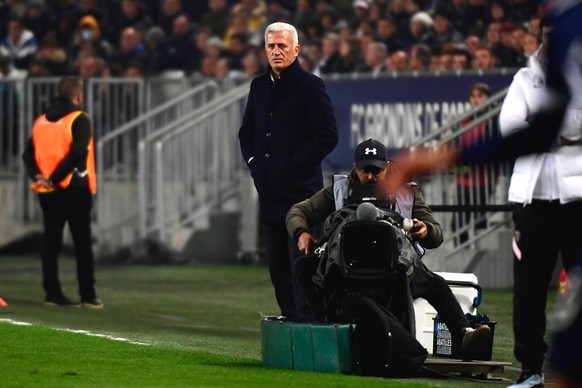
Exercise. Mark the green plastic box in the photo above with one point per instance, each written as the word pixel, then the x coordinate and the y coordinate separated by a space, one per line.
pixel 303 346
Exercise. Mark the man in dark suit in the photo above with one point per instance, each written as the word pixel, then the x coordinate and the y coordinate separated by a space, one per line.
pixel 287 129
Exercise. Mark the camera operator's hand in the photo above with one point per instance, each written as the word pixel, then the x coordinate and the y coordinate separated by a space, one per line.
pixel 420 229
pixel 305 243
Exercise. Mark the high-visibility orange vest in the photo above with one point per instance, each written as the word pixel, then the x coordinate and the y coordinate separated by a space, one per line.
pixel 52 142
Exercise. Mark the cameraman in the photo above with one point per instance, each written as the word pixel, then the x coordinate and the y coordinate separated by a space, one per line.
pixel 366 181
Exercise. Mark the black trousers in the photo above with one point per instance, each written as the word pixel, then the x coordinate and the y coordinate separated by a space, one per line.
pixel 281 253
pixel 542 230
pixel 72 206
pixel 432 287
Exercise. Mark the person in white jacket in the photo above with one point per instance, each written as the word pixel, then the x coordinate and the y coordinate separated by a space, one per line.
pixel 546 189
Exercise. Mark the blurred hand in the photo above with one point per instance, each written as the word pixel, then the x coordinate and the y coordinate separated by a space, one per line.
pixel 421 229
pixel 420 162
pixel 305 243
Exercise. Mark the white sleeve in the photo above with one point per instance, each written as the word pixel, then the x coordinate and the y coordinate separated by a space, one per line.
pixel 514 111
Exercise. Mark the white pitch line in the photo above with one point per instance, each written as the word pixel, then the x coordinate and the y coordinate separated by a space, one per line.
pixel 76 331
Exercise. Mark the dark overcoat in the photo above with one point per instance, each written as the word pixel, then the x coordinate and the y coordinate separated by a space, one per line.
pixel 288 128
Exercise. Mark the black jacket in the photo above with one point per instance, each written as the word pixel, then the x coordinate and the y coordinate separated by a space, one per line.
pixel 288 128
pixel 77 156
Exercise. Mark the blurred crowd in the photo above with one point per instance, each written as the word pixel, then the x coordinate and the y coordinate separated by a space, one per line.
pixel 224 38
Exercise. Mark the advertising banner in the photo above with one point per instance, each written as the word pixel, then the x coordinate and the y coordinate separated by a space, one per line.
pixel 398 111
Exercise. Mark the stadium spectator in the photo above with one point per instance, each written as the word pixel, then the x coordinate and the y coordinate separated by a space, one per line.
pixel 38 68
pixel 420 57
pixel 315 55
pixel 366 28
pixel 88 37
pixel 530 44
pixel 350 57
pixel 38 18
pixel 20 45
pixel 331 55
pixel 361 12
pixel 217 18
pixel 208 66
pixel 224 70
pixel 239 47
pixel 507 52
pixel 131 48
pixel 131 13
pixel 328 19
pixel 155 45
pixel 409 8
pixel 169 11
pixel 447 59
pixel 306 63
pixel 472 43
pixel 398 61
pixel 255 10
pixel 421 29
pixel 498 11
pixel 493 36
pixel 533 26
pixel 444 30
pixel 4 17
pixel 83 8
pixel 214 48
pixel 277 11
pixel 303 15
pixel 435 60
pixel 89 66
pixel 52 55
pixel 461 59
pixel 521 10
pixel 484 59
pixel 387 33
pixel 476 16
pixel 375 58
pixel 181 52
pixel 201 38
pixel 251 66
pixel 518 35
pixel 238 24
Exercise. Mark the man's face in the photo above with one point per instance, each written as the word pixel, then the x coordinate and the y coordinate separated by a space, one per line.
pixel 483 59
pixel 477 97
pixel 460 62
pixel 370 174
pixel 280 50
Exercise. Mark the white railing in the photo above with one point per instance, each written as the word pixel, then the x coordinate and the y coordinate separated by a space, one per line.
pixel 118 164
pixel 191 168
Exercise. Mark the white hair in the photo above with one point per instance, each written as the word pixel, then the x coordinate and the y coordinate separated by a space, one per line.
pixel 422 17
pixel 280 26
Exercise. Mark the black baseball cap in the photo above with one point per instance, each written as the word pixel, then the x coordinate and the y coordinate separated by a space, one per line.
pixel 370 153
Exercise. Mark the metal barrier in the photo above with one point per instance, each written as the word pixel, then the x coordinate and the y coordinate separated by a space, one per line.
pixel 119 164
pixel 11 113
pixel 471 199
pixel 110 102
pixel 190 168
pixel 142 127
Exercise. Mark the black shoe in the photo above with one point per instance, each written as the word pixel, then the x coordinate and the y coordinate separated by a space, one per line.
pixel 476 343
pixel 94 304
pixel 61 301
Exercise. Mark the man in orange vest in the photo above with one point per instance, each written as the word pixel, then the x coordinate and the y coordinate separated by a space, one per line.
pixel 59 158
